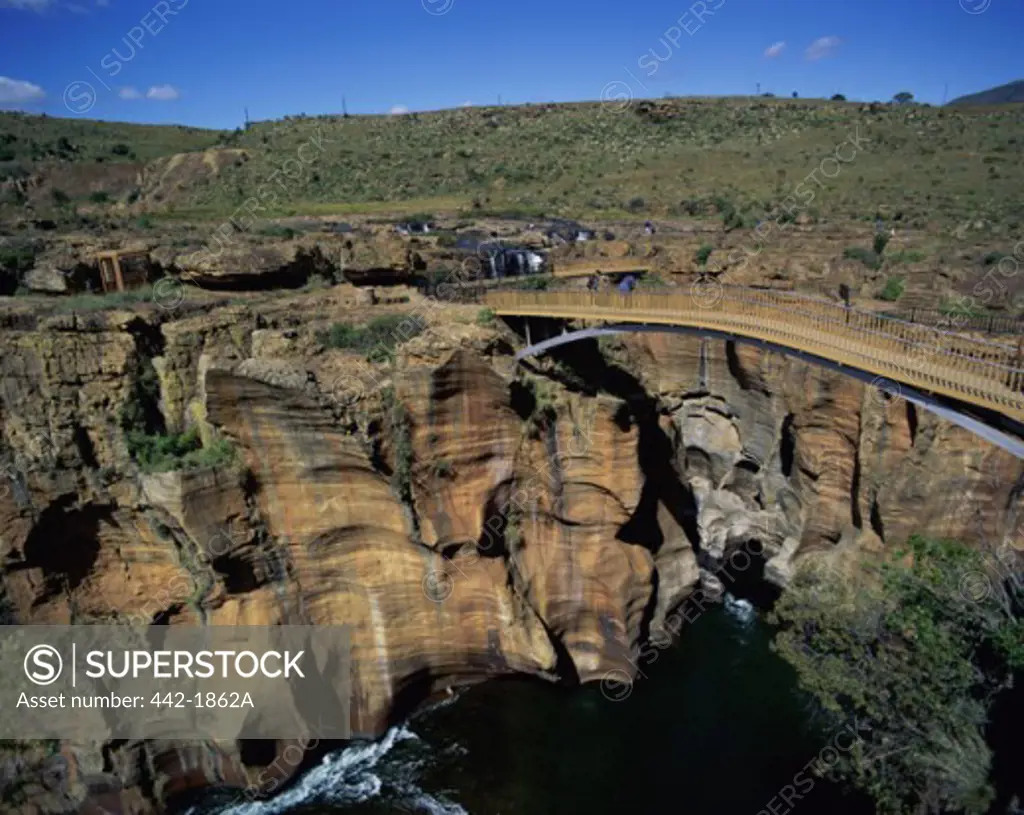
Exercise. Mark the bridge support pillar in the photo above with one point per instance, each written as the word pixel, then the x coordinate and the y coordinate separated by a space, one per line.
pixel 526 322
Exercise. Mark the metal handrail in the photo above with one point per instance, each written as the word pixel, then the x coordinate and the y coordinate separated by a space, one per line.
pixel 973 369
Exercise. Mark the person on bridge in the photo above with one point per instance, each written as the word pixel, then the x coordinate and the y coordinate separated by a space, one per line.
pixel 844 293
pixel 628 284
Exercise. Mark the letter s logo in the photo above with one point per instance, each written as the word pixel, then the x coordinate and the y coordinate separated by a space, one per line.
pixel 43 664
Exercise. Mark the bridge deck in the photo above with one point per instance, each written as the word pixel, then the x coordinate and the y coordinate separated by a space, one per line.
pixel 976 371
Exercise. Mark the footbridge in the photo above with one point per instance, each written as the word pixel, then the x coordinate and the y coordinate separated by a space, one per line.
pixel 972 380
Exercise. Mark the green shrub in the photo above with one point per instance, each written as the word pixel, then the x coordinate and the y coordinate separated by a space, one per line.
pixel 906 256
pixel 690 206
pixel 485 317
pixel 993 258
pixel 880 242
pixel 277 231
pixel 733 219
pixel 179 451
pixel 150 445
pixel 909 654
pixel 140 414
pixel 722 204
pixel 866 256
pixel 960 308
pixel 121 150
pixel 637 204
pixel 16 257
pixel 64 148
pixel 144 222
pixel 533 282
pixel 59 197
pixel 420 218
pixel 703 254
pixel 99 197
pixel 893 289
pixel 652 280
pixel 378 339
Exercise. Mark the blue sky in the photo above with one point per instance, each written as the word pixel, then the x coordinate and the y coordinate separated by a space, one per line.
pixel 202 62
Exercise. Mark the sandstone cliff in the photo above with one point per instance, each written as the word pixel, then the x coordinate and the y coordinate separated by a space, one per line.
pixel 465 518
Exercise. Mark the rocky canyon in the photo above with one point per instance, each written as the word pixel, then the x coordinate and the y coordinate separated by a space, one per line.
pixel 466 516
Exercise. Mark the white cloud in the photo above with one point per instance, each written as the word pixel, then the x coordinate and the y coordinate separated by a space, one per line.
pixel 398 110
pixel 27 5
pixel 18 91
pixel 775 49
pixel 467 104
pixel 163 93
pixel 822 47
pixel 129 93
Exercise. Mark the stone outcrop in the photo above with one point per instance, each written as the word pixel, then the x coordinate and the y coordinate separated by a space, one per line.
pixel 465 518
pixel 819 451
pixel 583 484
pixel 235 261
pixel 65 268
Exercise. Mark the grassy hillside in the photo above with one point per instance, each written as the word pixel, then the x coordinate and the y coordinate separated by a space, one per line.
pixel 47 161
pixel 1011 92
pixel 734 157
pixel 28 139
pixel 663 157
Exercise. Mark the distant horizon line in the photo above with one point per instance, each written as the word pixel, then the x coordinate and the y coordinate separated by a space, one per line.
pixel 614 107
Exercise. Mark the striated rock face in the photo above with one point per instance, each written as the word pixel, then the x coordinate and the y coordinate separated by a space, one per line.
pixel 811 454
pixel 344 539
pixel 465 436
pixel 590 586
pixel 466 519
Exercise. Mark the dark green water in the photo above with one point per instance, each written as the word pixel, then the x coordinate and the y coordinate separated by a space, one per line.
pixel 716 728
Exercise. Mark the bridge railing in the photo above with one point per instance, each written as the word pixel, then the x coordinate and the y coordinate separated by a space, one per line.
pixel 962 321
pixel 946 320
pixel 979 370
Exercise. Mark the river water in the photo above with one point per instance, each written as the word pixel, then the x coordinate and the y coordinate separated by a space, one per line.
pixel 716 727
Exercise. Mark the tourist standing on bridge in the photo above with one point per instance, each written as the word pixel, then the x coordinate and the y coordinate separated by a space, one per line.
pixel 844 294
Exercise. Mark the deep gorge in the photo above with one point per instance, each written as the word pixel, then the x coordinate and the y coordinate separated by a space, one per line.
pixel 469 520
